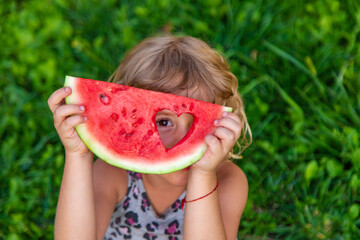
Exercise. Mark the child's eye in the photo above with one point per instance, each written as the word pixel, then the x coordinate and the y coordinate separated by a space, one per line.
pixel 164 123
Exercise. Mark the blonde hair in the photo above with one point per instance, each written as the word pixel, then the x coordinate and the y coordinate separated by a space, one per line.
pixel 172 64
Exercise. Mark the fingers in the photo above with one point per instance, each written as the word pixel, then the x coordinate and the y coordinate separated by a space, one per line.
pixel 66 117
pixel 57 98
pixel 228 127
pixel 225 134
pixel 64 111
pixel 213 143
pixel 221 141
pixel 69 123
pixel 233 116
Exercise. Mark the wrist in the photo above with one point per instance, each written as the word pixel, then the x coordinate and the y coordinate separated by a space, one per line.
pixel 202 179
pixel 201 173
pixel 184 200
pixel 88 155
pixel 201 185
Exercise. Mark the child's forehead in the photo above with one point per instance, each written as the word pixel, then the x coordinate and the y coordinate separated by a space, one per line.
pixel 191 88
pixel 197 93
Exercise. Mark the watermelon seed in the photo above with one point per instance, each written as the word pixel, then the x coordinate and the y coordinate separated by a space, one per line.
pixel 123 111
pixel 191 106
pixel 129 135
pixel 184 106
pixel 114 116
pixel 104 99
pixel 120 89
pixel 138 122
pixel 134 113
pixel 126 135
pixel 122 132
pixel 148 135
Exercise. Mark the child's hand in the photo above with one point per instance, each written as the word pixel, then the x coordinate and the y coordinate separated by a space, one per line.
pixel 220 143
pixel 66 117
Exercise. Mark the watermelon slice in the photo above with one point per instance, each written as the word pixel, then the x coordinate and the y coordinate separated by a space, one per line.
pixel 121 128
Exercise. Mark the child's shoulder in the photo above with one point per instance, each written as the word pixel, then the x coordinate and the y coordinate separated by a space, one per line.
pixel 233 187
pixel 110 180
pixel 229 172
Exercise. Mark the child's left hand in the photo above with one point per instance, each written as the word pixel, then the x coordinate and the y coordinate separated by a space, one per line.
pixel 220 143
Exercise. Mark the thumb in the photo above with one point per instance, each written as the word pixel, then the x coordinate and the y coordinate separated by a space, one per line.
pixel 213 143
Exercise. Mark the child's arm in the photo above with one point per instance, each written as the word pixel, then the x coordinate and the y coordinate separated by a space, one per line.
pixel 217 215
pixel 75 214
pixel 110 187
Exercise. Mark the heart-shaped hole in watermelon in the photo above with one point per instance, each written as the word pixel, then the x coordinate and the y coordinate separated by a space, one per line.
pixel 172 128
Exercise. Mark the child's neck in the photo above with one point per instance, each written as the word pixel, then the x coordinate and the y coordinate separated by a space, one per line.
pixel 162 193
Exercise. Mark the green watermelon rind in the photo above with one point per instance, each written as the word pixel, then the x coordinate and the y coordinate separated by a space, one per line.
pixel 99 150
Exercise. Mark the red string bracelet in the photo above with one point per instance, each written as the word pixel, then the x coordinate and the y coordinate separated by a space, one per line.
pixel 183 201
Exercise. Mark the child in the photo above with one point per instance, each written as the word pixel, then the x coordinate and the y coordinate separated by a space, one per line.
pixel 100 201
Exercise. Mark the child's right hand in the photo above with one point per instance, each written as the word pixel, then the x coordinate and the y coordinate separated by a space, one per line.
pixel 66 117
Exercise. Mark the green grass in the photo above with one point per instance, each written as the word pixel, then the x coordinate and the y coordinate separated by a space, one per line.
pixel 298 68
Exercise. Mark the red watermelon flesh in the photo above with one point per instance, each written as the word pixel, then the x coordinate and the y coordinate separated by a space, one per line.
pixel 121 128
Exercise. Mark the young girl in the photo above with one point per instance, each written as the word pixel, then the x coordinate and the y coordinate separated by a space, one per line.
pixel 100 201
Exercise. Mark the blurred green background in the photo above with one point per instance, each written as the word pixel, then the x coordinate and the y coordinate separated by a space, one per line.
pixel 298 68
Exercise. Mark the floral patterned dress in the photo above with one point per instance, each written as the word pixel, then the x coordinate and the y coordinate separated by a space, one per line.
pixel 134 217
